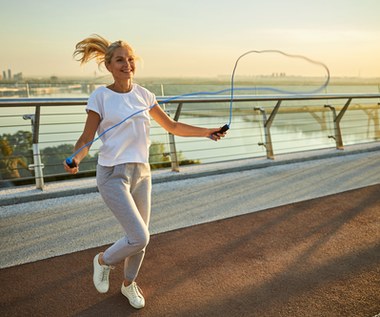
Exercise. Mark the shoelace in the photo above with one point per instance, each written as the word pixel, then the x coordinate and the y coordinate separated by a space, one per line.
pixel 105 273
pixel 137 290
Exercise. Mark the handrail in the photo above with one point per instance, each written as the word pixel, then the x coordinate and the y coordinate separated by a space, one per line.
pixel 9 102
pixel 268 114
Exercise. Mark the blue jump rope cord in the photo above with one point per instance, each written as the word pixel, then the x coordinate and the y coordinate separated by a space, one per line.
pixel 231 90
pixel 323 86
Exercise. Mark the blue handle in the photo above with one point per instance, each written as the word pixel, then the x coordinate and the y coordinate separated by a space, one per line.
pixel 70 162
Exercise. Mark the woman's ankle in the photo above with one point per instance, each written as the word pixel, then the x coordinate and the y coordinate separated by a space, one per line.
pixel 100 259
pixel 126 283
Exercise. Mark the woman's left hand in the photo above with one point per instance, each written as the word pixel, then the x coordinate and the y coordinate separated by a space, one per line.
pixel 214 135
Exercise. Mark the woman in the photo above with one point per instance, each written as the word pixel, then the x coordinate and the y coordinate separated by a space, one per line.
pixel 123 171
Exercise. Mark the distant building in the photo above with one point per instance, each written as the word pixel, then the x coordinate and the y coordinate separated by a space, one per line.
pixel 17 77
pixel 7 75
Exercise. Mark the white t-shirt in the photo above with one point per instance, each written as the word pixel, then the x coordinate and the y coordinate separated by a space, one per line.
pixel 128 142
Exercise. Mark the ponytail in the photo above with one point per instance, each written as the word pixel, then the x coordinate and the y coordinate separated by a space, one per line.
pixel 98 48
pixel 94 47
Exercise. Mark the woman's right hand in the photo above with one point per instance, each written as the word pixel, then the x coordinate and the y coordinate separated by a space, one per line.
pixel 71 170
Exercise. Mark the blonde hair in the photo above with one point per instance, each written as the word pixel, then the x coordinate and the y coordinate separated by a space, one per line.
pixel 98 48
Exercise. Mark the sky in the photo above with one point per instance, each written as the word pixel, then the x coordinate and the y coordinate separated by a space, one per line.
pixel 194 38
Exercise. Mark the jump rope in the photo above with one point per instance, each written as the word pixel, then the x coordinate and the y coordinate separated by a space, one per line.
pixel 70 162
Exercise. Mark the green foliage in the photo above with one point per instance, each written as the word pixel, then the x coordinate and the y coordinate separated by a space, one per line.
pixel 18 146
pixel 159 158
pixel 53 158
pixel 16 154
pixel 21 142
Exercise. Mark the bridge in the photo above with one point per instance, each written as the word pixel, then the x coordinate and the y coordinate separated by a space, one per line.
pixel 295 236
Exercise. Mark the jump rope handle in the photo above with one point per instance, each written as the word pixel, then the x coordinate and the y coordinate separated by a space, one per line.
pixel 70 162
pixel 222 129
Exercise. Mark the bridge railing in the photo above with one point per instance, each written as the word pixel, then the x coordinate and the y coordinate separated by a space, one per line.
pixel 37 134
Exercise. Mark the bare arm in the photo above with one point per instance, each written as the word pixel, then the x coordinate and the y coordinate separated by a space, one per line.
pixel 182 129
pixel 87 136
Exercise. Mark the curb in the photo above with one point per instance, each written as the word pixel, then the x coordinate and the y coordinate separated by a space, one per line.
pixel 191 172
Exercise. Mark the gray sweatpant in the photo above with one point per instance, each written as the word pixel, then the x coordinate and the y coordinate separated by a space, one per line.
pixel 126 190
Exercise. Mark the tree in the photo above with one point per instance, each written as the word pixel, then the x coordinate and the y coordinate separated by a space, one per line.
pixel 15 155
pixel 53 157
pixel 159 158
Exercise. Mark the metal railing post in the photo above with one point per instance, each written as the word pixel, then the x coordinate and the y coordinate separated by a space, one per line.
pixel 267 125
pixel 173 150
pixel 376 123
pixel 374 116
pixel 337 119
pixel 37 165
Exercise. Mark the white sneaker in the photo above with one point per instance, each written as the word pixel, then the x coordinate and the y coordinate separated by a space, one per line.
pixel 101 276
pixel 132 292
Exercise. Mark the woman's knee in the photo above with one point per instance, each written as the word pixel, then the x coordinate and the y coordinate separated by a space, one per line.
pixel 144 239
pixel 139 240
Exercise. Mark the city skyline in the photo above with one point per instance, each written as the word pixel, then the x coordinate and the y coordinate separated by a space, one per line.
pixel 197 39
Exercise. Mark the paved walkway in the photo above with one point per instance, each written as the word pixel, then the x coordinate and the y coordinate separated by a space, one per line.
pixel 295 237
pixel 35 230
pixel 313 258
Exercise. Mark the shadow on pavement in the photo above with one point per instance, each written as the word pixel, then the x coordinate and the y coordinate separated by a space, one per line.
pixel 313 258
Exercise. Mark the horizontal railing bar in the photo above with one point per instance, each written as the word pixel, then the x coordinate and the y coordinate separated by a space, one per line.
pixel 192 99
pixel 242 98
pixel 43 102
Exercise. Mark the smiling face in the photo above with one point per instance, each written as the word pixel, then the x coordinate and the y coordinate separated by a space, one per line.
pixel 121 64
